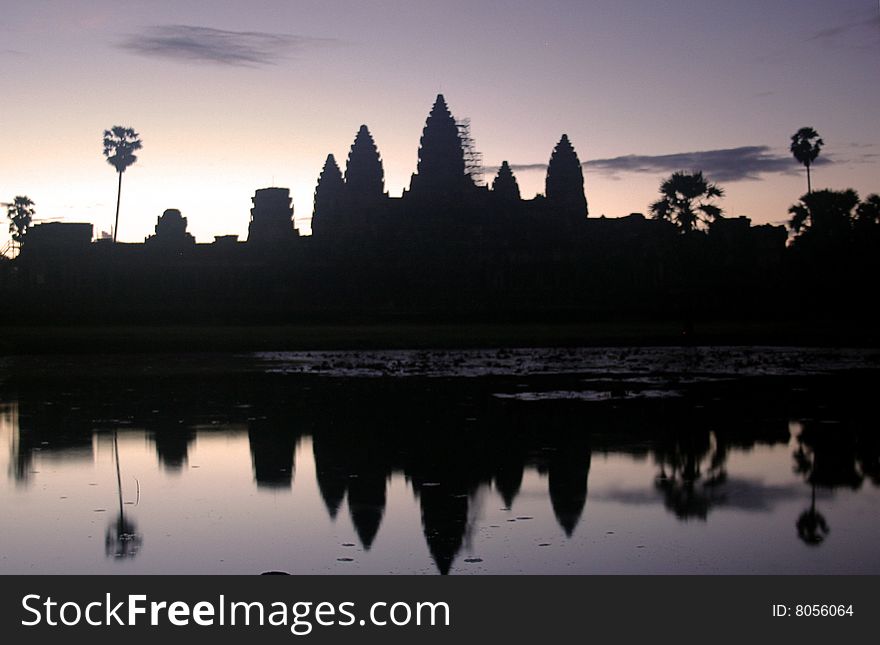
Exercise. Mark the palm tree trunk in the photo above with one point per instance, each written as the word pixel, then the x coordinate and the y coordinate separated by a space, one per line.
pixel 809 187
pixel 118 473
pixel 119 196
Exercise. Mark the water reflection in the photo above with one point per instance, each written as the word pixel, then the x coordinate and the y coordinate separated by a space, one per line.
pixel 122 539
pixel 452 440
pixel 831 455
pixel 812 528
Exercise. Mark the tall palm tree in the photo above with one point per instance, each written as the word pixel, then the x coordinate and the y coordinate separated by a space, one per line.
pixel 687 201
pixel 120 144
pixel 805 146
pixel 20 213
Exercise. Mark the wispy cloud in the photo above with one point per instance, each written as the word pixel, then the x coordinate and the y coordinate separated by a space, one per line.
pixel 519 167
pixel 860 152
pixel 860 32
pixel 835 31
pixel 729 164
pixel 191 44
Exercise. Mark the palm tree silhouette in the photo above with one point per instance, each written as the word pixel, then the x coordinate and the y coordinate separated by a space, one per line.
pixel 686 201
pixel 868 213
pixel 120 144
pixel 805 146
pixel 20 213
pixel 826 214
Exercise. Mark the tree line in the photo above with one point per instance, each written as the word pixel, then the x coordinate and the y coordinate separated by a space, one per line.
pixel 688 200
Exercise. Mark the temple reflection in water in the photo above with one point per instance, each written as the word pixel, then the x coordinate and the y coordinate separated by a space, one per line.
pixel 453 441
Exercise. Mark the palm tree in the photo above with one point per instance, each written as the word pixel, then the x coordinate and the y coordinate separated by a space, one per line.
pixel 805 146
pixel 825 214
pixel 686 201
pixel 20 213
pixel 120 145
pixel 868 212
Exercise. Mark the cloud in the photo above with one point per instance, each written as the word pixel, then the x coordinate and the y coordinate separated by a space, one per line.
pixel 861 33
pixel 728 164
pixel 521 167
pixel 832 33
pixel 858 35
pixel 187 43
pixel 861 153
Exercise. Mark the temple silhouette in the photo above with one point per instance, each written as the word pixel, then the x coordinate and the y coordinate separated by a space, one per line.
pixel 443 198
pixel 448 248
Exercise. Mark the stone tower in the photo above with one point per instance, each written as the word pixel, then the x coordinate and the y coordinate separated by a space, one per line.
pixel 441 168
pixel 329 195
pixel 565 181
pixel 504 186
pixel 171 230
pixel 364 175
pixel 271 217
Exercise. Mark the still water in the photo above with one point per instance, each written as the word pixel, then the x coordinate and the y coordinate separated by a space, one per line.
pixel 652 460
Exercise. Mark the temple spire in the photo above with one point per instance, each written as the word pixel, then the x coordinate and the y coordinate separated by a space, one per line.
pixel 441 166
pixel 565 180
pixel 505 186
pixel 329 193
pixel 364 175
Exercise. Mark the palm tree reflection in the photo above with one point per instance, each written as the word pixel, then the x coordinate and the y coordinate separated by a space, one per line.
pixel 826 457
pixel 811 526
pixel 687 490
pixel 121 538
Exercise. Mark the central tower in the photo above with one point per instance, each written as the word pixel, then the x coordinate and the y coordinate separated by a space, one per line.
pixel 441 169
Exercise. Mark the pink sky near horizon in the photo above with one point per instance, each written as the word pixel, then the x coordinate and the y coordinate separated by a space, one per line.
pixel 620 78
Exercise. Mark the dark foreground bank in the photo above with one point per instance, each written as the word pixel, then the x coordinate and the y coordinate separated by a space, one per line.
pixel 61 338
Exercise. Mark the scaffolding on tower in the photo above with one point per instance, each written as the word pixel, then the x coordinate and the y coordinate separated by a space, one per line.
pixel 473 160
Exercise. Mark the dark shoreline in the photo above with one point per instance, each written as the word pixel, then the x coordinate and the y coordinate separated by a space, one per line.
pixel 98 339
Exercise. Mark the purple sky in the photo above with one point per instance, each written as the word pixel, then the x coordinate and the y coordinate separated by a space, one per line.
pixel 232 96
